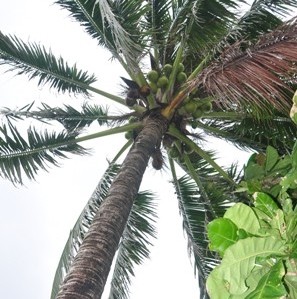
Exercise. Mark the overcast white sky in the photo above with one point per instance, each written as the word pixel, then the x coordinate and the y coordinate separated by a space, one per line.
pixel 35 220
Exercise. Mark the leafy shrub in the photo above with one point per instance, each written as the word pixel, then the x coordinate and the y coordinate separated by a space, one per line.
pixel 258 241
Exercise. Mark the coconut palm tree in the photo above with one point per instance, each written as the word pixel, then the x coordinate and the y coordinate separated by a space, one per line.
pixel 194 69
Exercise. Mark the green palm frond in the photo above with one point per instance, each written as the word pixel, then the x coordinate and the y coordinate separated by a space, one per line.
pixel 261 17
pixel 33 60
pixel 84 12
pixel 68 116
pixel 198 206
pixel 115 24
pixel 252 133
pixel 123 18
pixel 201 24
pixel 158 22
pixel 73 120
pixel 19 157
pixel 82 225
pixel 246 74
pixel 134 245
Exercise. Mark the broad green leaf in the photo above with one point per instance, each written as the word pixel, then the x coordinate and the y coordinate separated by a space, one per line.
pixel 260 269
pixel 244 217
pixel 270 285
pixel 289 181
pixel 216 287
pixel 238 262
pixel 222 233
pixel 283 164
pixel 275 190
pixel 253 171
pixel 291 277
pixel 265 203
pixel 278 224
pixel 271 158
pixel 291 221
pixel 254 185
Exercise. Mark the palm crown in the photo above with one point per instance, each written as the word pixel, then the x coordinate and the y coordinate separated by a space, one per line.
pixel 195 68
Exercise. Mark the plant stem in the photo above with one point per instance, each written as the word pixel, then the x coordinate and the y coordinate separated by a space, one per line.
pixel 176 133
pixel 197 180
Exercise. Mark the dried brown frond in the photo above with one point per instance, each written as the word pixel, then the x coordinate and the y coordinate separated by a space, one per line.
pixel 260 74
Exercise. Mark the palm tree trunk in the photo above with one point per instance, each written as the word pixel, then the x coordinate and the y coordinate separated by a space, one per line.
pixel 88 274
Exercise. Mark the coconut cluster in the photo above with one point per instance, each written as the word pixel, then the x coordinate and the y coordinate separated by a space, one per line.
pixel 190 110
pixel 192 107
pixel 160 79
pixel 195 107
pixel 178 149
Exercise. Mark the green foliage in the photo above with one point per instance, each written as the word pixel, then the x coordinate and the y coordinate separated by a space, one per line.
pixel 107 22
pixel 258 243
pixel 36 62
pixel 20 156
pixel 72 119
pixel 252 129
pixel 222 233
pixel 263 172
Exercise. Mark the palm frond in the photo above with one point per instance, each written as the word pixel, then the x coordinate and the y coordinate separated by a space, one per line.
pixel 19 157
pixel 254 74
pixel 262 16
pixel 134 245
pixel 68 116
pixel 91 20
pixel 158 22
pixel 33 60
pixel 198 206
pixel 251 133
pixel 122 18
pixel 202 24
pixel 82 226
pixel 72 119
pixel 115 24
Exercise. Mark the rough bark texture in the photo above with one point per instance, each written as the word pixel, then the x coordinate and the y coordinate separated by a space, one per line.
pixel 87 276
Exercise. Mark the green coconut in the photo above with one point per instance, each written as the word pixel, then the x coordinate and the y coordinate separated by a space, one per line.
pixel 182 111
pixel 129 135
pixel 206 107
pixel 174 152
pixel 153 76
pixel 167 69
pixel 180 68
pixel 188 149
pixel 190 107
pixel 181 77
pixel 198 113
pixel 162 82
